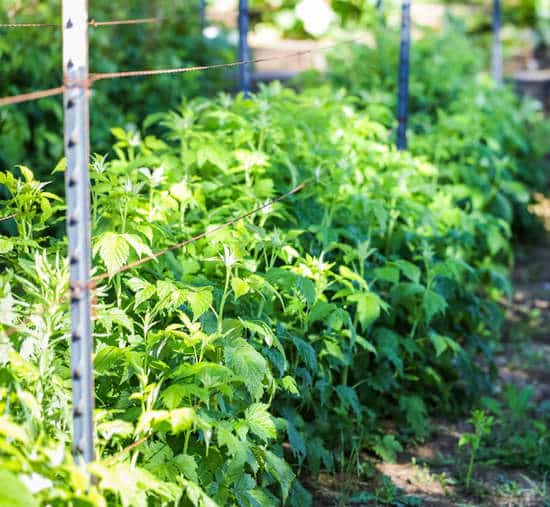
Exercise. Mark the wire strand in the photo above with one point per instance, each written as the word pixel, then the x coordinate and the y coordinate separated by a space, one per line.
pixel 27 97
pixel 93 23
pixel 141 73
pixel 137 21
pixel 3 219
pixel 29 25
pixel 204 234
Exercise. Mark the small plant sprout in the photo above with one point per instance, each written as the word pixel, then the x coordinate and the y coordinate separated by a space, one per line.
pixel 482 427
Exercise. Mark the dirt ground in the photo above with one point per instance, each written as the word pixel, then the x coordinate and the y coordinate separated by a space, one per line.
pixel 432 474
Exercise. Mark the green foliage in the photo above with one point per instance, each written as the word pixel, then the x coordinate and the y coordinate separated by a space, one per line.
pixel 520 434
pixel 281 344
pixel 486 142
pixel 482 427
pixel 31 60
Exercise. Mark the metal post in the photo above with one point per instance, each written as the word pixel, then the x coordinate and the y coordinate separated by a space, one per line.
pixel 496 63
pixel 404 64
pixel 77 184
pixel 244 54
pixel 202 15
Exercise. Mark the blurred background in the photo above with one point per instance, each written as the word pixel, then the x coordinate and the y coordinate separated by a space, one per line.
pixel 195 33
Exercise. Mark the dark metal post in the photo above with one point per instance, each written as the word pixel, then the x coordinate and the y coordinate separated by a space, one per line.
pixel 77 184
pixel 244 53
pixel 404 64
pixel 202 14
pixel 496 64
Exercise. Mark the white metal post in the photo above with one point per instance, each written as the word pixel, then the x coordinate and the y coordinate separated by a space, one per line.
pixel 77 184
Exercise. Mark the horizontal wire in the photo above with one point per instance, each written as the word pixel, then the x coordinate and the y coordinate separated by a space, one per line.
pixel 27 97
pixel 140 73
pixel 137 21
pixel 92 23
pixel 29 25
pixel 204 234
pixel 3 219
pixel 93 77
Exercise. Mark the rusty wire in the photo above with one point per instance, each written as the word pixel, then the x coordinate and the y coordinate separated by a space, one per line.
pixel 3 219
pixel 93 77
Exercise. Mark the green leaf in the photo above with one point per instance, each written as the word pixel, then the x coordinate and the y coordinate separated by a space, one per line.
pixel 442 343
pixel 368 307
pixel 240 287
pixel 172 396
pixel 387 448
pixel 6 245
pixel 433 303
pixel 260 421
pixel 13 493
pixel 200 301
pixel 188 466
pixel 246 362
pixel 411 271
pixel 281 472
pixel 113 250
pixel 388 274
pixel 118 427
pixel 181 419
pixel 138 245
pixel 197 496
pixel 415 412
pixel 306 289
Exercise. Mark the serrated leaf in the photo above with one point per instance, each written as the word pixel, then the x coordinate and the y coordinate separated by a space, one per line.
pixel 289 384
pixel 260 421
pixel 138 245
pixel 387 448
pixel 113 250
pixel 415 412
pixel 432 304
pixel 240 287
pixel 411 271
pixel 199 301
pixel 281 472
pixel 110 316
pixel 368 307
pixel 246 362
pixel 172 396
pixel 306 289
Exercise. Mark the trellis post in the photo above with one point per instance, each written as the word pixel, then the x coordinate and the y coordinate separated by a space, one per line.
pixel 202 15
pixel 77 184
pixel 403 84
pixel 244 53
pixel 496 62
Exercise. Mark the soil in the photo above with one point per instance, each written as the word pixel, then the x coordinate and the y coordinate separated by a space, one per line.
pixel 432 474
